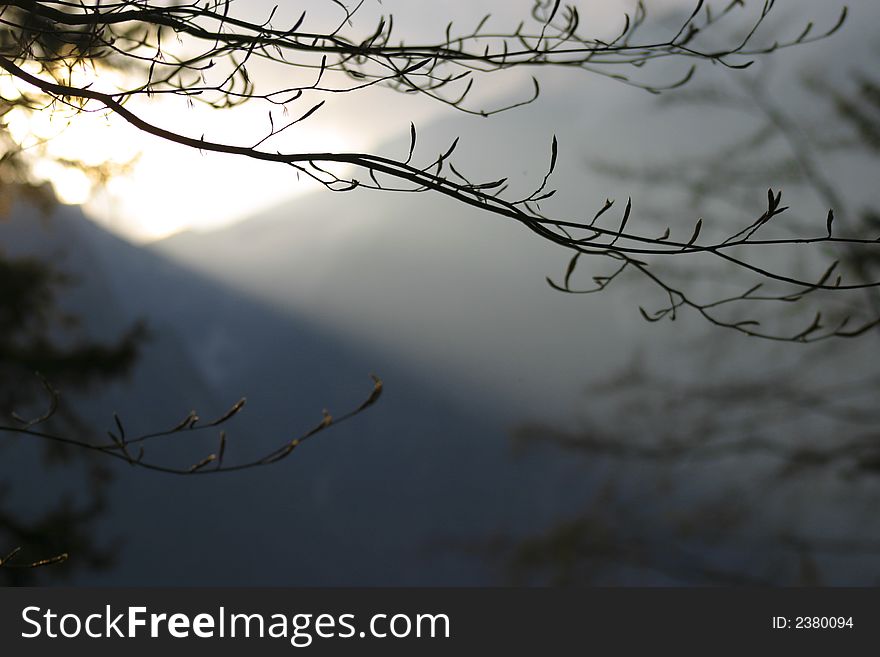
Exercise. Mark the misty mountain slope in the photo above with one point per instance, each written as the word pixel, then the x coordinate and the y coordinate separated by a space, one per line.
pixel 462 294
pixel 383 500
pixel 452 292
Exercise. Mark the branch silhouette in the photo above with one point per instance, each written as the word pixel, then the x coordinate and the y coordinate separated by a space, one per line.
pixel 10 561
pixel 50 46
pixel 120 444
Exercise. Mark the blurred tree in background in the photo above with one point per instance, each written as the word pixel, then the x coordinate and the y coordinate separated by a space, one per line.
pixel 761 477
pixel 36 347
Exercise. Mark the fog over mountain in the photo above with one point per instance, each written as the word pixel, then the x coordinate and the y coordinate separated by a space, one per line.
pixel 463 294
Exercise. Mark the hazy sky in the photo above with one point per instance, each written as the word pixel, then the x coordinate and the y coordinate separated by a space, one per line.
pixel 172 187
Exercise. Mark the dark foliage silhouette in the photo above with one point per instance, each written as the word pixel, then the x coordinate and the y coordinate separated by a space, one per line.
pixel 32 339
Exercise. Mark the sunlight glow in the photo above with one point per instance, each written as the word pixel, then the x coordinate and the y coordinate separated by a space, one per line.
pixel 172 187
pixel 161 188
